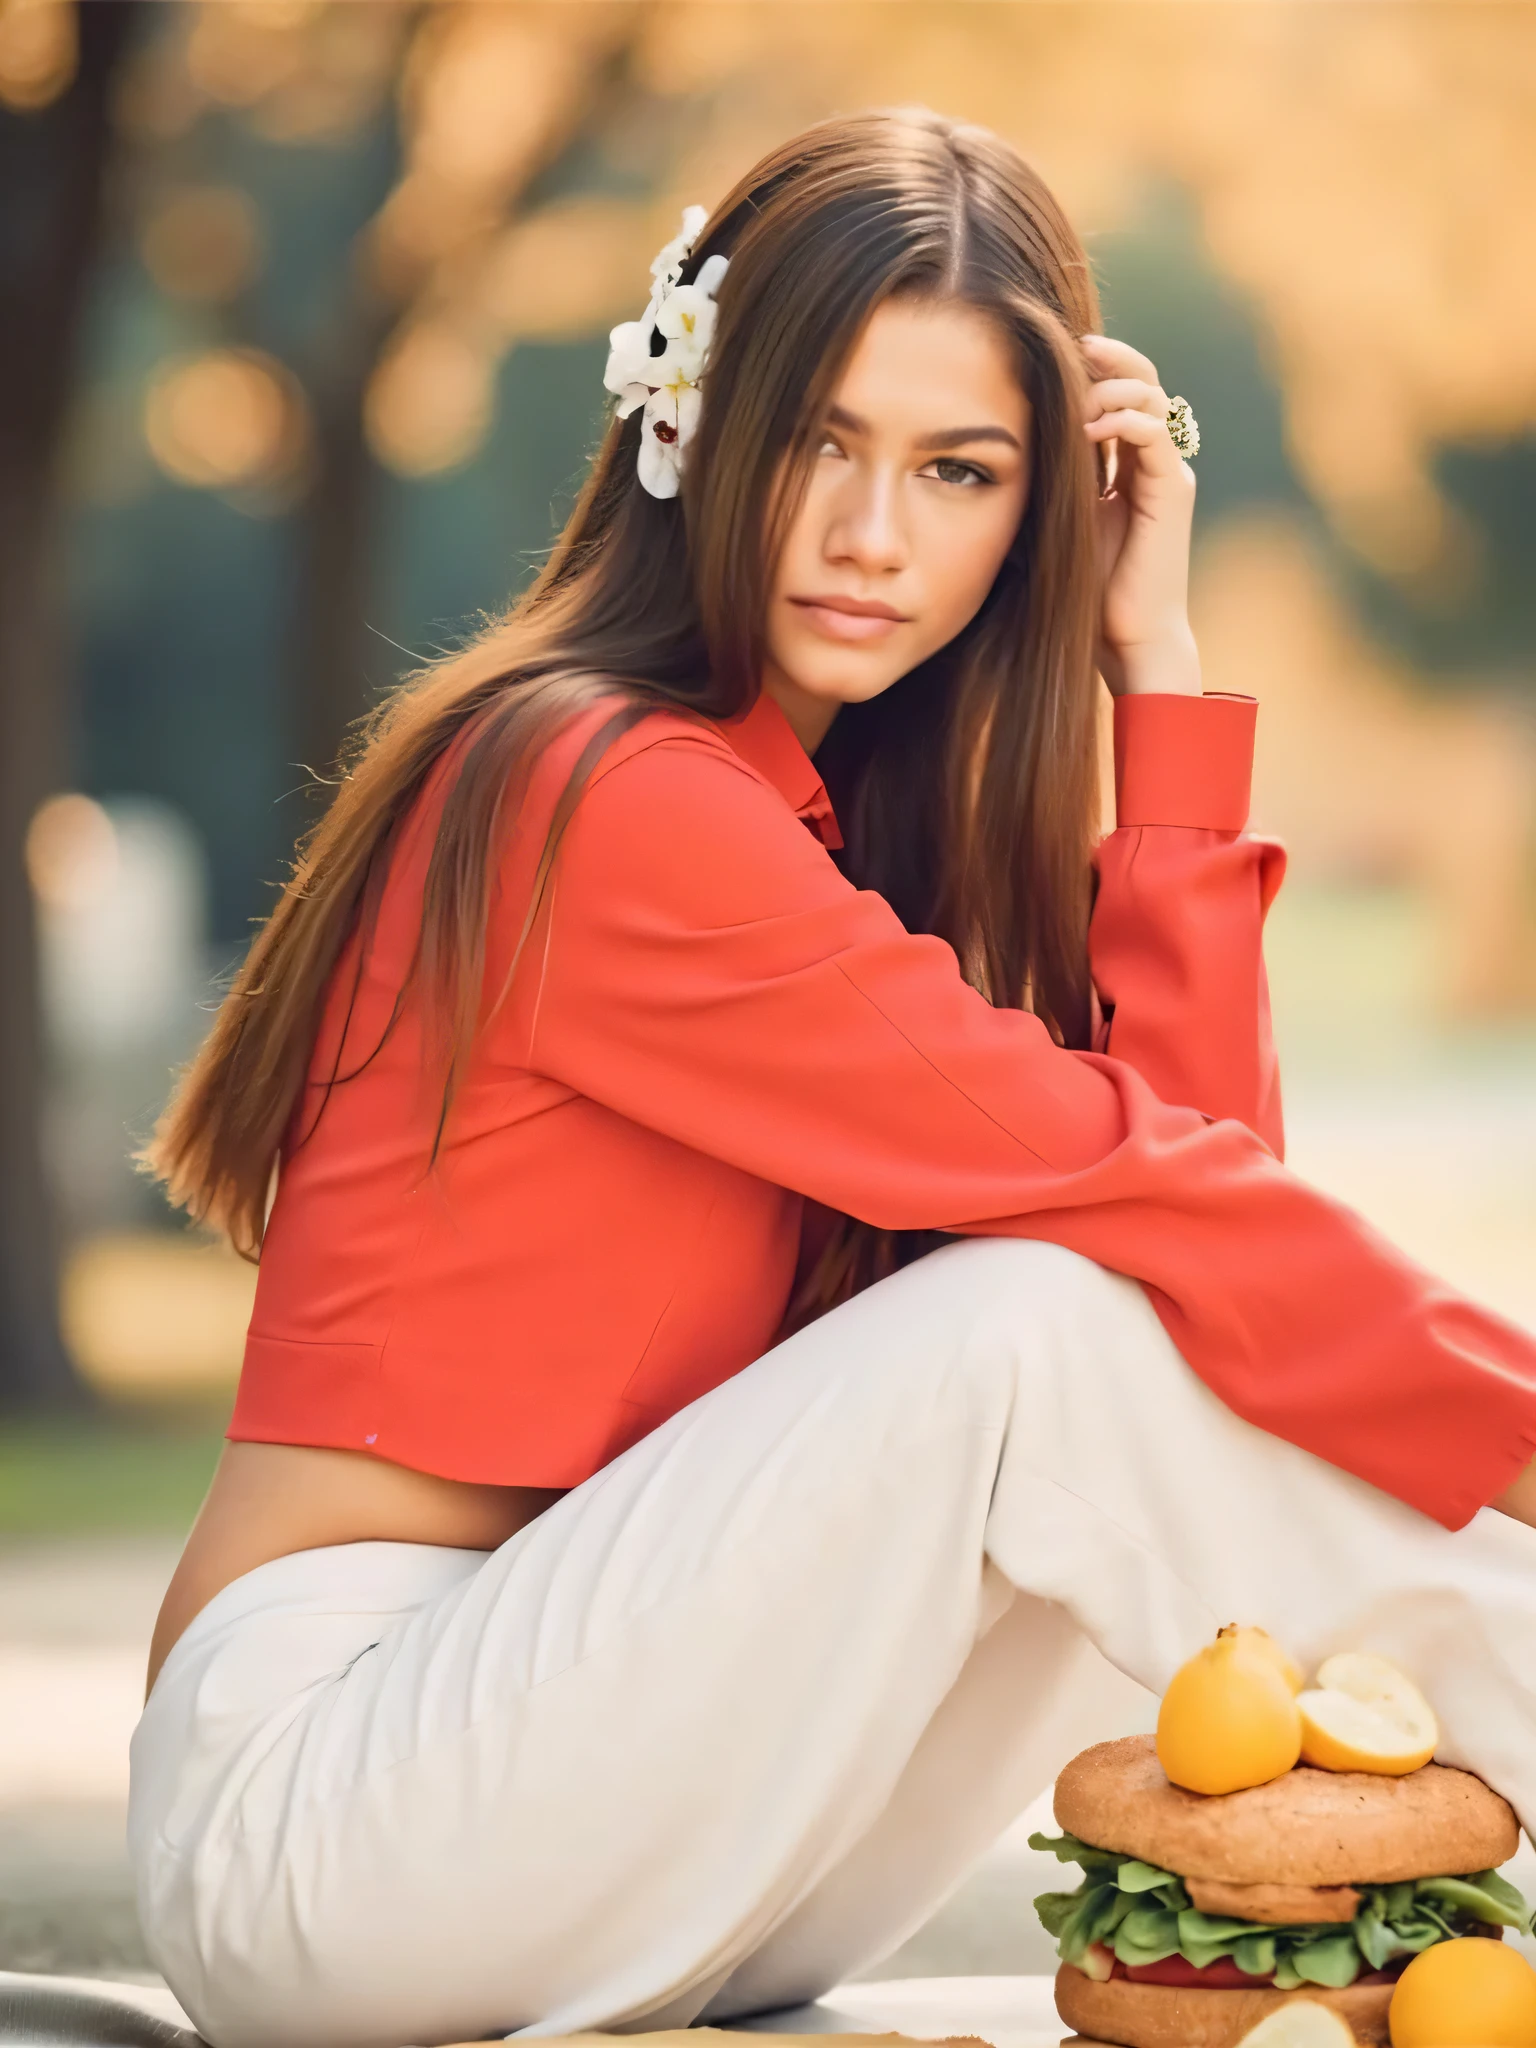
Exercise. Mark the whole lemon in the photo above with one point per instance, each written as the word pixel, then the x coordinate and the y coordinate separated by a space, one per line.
pixel 1471 1993
pixel 1263 1642
pixel 1228 1719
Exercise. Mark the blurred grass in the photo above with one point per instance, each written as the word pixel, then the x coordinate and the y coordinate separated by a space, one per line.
pixel 124 1471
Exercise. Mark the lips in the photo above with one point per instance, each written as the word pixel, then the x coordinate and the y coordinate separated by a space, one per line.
pixel 858 607
pixel 849 618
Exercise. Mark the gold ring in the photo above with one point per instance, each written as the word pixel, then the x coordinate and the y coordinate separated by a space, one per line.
pixel 1183 428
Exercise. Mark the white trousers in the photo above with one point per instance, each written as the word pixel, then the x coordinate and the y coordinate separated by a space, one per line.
pixel 729 1721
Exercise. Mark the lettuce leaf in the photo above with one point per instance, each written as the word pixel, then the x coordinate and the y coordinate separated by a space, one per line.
pixel 1144 1915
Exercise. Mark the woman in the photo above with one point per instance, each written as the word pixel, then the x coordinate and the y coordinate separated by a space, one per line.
pixel 612 1609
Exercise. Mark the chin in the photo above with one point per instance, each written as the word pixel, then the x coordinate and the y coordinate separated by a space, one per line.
pixel 843 682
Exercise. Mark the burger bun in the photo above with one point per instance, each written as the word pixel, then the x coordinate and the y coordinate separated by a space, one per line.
pixel 1309 1827
pixel 1160 2016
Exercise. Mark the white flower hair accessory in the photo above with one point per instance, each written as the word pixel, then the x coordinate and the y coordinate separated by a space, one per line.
pixel 667 385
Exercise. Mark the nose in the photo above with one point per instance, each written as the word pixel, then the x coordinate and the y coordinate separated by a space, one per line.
pixel 867 529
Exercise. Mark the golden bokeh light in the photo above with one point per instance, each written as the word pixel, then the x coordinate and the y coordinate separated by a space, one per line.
pixel 202 242
pixel 225 420
pixel 239 50
pixel 351 55
pixel 38 52
pixel 151 1314
pixel 429 405
pixel 71 852
pixel 683 50
pixel 569 270
pixel 422 222
pixel 306 73
pixel 488 94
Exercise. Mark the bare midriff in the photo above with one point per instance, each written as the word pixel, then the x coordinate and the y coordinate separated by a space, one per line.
pixel 270 1500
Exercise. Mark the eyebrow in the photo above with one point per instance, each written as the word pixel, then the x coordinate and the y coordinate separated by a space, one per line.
pixel 944 437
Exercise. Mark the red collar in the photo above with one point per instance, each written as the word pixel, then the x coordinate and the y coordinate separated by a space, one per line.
pixel 765 740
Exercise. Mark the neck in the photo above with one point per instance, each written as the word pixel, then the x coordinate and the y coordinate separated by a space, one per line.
pixel 810 718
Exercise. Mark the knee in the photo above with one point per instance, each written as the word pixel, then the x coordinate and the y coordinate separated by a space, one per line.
pixel 974 1326
pixel 1036 1278
pixel 1041 1312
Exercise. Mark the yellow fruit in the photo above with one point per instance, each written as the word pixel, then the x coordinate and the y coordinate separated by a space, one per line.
pixel 1301 2025
pixel 1465 1994
pixel 1228 1719
pixel 1366 1715
pixel 1263 1642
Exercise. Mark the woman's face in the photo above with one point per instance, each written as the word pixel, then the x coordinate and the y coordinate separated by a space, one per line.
pixel 914 496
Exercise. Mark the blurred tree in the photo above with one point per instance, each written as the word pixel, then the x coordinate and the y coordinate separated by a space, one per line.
pixel 422 138
pixel 492 98
pixel 56 76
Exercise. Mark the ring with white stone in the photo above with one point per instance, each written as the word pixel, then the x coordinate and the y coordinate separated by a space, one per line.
pixel 1183 428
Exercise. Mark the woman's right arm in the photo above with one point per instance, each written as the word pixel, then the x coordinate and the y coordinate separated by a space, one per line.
pixel 701 967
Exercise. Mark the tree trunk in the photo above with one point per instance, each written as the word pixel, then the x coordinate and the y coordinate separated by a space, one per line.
pixel 52 177
pixel 332 644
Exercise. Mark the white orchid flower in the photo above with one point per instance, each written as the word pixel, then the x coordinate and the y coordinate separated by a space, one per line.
pixel 671 419
pixel 628 372
pixel 669 262
pixel 687 317
pixel 667 385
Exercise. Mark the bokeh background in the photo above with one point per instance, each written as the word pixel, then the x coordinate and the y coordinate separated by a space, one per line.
pixel 303 321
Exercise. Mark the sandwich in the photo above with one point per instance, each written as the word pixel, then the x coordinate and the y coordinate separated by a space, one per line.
pixel 1198 1915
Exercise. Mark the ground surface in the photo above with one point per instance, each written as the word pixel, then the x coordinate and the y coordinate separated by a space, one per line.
pixel 75 1617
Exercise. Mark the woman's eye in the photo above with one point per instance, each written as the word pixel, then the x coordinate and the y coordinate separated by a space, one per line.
pixel 829 447
pixel 950 470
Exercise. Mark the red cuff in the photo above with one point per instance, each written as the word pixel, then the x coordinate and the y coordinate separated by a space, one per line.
pixel 1184 760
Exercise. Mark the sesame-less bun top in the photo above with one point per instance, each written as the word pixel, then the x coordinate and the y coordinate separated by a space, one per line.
pixel 1309 1827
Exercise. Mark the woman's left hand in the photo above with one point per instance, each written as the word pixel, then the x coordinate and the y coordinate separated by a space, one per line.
pixel 1145 643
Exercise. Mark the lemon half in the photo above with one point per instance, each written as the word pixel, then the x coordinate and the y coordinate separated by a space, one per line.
pixel 1363 1714
pixel 1302 2025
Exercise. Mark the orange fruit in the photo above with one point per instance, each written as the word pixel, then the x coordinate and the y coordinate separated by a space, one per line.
pixel 1366 1715
pixel 1465 1994
pixel 1228 1719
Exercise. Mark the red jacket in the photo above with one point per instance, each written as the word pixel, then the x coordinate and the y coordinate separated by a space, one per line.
pixel 711 1026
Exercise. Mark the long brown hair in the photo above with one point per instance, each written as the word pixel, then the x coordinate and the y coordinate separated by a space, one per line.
pixel 967 792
